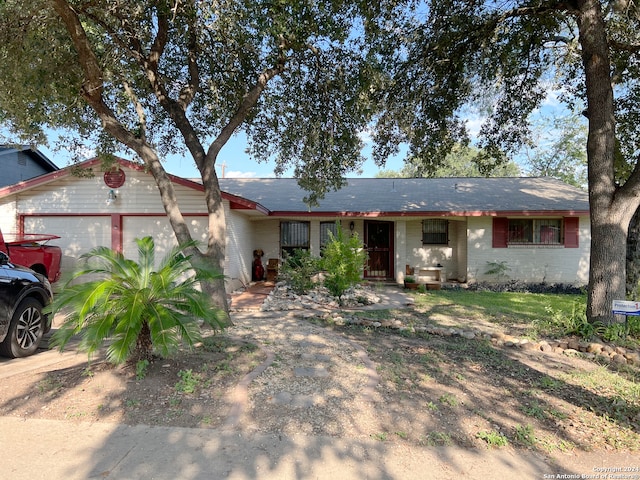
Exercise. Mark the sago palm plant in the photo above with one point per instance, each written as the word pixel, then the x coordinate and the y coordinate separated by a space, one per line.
pixel 136 309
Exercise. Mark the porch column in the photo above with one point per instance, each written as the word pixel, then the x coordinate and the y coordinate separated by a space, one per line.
pixel 401 250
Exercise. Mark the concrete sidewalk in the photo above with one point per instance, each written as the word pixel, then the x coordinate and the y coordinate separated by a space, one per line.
pixel 42 449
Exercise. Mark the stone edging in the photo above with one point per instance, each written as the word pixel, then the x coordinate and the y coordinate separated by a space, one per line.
pixel 590 350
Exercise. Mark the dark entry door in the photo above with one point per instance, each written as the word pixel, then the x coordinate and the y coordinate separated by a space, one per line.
pixel 379 240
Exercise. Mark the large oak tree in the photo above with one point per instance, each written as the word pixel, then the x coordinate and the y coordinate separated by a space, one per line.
pixel 501 58
pixel 162 76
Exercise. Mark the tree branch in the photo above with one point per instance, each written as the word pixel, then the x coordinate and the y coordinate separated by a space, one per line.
pixel 249 100
pixel 93 85
pixel 624 47
pixel 189 91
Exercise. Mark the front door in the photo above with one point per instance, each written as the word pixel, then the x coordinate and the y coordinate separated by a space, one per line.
pixel 379 241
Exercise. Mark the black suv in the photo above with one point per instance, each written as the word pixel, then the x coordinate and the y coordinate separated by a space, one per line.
pixel 23 295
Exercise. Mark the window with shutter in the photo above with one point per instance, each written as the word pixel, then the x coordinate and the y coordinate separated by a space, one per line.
pixel 535 231
pixel 571 232
pixel 500 232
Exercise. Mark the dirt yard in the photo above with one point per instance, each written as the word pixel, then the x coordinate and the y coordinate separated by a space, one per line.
pixel 281 373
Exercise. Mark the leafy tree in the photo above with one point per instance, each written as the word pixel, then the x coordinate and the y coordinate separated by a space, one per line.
pixel 460 162
pixel 135 309
pixel 160 77
pixel 500 59
pixel 560 151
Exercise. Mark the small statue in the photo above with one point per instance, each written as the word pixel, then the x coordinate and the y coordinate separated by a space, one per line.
pixel 258 268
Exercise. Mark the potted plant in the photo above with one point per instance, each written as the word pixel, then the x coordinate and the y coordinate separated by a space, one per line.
pixel 410 283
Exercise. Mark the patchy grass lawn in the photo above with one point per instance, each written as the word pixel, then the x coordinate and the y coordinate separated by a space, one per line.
pixel 430 390
pixel 471 391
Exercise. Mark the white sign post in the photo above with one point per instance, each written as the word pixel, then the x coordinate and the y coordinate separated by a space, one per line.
pixel 626 308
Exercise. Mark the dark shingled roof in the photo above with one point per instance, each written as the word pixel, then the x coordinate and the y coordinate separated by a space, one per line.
pixel 406 196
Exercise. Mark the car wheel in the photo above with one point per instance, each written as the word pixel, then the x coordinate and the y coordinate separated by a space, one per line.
pixel 25 331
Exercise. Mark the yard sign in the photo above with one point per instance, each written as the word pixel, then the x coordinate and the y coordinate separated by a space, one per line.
pixel 624 307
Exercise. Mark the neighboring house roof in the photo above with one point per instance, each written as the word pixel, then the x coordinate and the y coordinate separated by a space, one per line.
pixel 33 153
pixel 14 163
pixel 418 196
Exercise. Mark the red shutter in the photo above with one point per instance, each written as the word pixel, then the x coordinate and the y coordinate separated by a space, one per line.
pixel 500 232
pixel 571 232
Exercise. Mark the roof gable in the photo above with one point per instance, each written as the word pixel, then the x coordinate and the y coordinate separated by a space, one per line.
pixel 20 163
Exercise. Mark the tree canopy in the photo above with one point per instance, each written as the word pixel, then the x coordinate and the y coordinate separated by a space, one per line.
pixel 158 76
pixel 560 150
pixel 293 75
pixel 457 163
pixel 499 59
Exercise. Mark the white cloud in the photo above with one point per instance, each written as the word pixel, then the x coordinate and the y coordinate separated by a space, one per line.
pixel 473 125
pixel 552 99
pixel 366 136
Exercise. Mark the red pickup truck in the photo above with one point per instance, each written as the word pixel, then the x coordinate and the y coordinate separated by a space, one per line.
pixel 31 250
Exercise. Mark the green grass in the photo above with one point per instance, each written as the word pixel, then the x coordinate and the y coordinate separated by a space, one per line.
pixel 536 315
pixel 496 306
pixel 493 438
pixel 525 435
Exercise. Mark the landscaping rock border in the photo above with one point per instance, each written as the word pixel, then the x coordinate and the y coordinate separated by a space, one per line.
pixel 282 297
pixel 318 303
pixel 595 350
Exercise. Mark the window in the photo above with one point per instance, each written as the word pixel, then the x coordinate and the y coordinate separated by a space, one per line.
pixel 435 231
pixel 544 231
pixel 325 228
pixel 294 236
pixel 540 231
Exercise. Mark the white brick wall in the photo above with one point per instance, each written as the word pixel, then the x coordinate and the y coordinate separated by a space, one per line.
pixel 529 264
pixel 448 256
pixel 8 215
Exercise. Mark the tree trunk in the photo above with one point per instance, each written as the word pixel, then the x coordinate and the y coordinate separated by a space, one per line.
pixel 92 92
pixel 607 266
pixel 144 346
pixel 633 256
pixel 608 224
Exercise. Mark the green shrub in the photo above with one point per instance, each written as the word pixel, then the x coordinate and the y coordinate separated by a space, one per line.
pixel 559 323
pixel 344 261
pixel 137 309
pixel 298 270
pixel 498 269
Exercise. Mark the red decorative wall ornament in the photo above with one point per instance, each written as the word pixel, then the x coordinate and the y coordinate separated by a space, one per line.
pixel 114 178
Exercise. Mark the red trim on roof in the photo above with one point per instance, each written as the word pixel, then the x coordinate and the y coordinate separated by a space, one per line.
pixel 240 203
pixel 65 172
pixel 33 182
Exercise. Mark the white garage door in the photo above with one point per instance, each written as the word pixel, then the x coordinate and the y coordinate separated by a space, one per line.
pixel 77 234
pixel 160 229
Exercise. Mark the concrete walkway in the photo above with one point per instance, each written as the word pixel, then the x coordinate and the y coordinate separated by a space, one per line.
pixel 41 449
